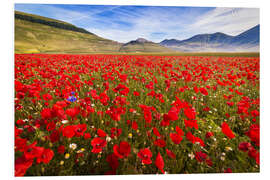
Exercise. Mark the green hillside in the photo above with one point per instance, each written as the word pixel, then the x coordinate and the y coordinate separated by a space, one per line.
pixel 143 47
pixel 36 34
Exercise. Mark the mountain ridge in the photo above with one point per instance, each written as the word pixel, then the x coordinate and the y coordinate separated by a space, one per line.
pixel 246 41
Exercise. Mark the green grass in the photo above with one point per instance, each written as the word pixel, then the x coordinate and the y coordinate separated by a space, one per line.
pixel 38 38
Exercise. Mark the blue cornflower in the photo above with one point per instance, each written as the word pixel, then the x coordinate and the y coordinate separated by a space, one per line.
pixel 72 98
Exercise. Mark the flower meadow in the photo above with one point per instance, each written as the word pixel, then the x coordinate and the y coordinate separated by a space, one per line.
pixel 132 114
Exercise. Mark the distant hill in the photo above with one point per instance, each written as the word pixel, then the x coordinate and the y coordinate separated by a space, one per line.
pixel 37 34
pixel 246 42
pixel 143 45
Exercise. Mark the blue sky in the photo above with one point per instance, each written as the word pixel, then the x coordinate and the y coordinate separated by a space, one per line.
pixel 155 23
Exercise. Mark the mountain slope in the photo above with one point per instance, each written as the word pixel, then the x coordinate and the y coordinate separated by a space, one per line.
pixel 246 41
pixel 37 34
pixel 143 45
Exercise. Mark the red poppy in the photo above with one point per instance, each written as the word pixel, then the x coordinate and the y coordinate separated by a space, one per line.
pixel 191 124
pixel 50 126
pixel 115 132
pixel 122 150
pixel 228 170
pixel 46 113
pixel 190 137
pixel 244 146
pixel 254 134
pixel 176 138
pixel 209 134
pixel 54 137
pixel 165 121
pixel 21 165
pixel 46 156
pixel 227 131
pixel 61 149
pixel 200 156
pixel 159 163
pixel 134 125
pixel 68 131
pixel 98 144
pixel 32 151
pixel 155 131
pixel 87 136
pixel 112 159
pixel 145 155
pixel 160 143
pixel 72 112
pixel 204 91
pixel 79 129
pixel 190 113
pixel 170 154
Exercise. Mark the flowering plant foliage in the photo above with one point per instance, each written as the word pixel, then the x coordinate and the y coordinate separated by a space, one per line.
pixel 123 114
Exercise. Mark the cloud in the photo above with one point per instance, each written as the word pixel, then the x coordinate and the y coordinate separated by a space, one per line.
pixel 125 23
pixel 227 20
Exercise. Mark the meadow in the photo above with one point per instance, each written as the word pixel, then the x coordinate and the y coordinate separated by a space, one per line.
pixel 136 114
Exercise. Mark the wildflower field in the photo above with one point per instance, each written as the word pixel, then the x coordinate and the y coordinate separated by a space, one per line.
pixel 132 114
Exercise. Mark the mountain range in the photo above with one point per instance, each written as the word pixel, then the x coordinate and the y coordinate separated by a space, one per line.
pixel 37 34
pixel 245 42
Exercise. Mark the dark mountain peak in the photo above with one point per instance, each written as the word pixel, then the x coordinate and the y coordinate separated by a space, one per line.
pixel 218 41
pixel 169 42
pixel 142 40
pixel 138 41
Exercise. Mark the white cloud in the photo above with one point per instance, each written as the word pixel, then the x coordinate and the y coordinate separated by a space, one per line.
pixel 164 22
pixel 231 21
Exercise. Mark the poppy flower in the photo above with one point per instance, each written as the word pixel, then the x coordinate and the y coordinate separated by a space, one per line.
pixel 254 134
pixel 61 149
pixel 134 125
pixel 32 151
pixel 46 113
pixel 170 154
pixel 21 165
pixel 115 132
pixel 200 156
pixel 122 150
pixel 155 131
pixel 209 134
pixel 79 129
pixel 191 124
pixel 68 131
pixel 190 137
pixel 165 121
pixel 228 170
pixel 50 126
pixel 160 163
pixel 244 146
pixel 227 131
pixel 54 137
pixel 190 113
pixel 46 156
pixel 72 112
pixel 87 136
pixel 145 155
pixel 98 144
pixel 160 143
pixel 204 91
pixel 112 159
pixel 176 138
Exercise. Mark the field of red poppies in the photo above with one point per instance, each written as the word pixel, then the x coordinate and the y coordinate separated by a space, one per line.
pixel 123 114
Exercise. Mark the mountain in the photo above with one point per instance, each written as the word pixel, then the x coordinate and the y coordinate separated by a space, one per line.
pixel 143 45
pixel 37 34
pixel 245 42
